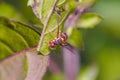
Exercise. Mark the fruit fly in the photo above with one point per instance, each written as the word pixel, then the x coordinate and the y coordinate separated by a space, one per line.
pixel 59 41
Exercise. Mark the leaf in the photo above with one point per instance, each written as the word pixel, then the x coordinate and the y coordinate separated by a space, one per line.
pixel 60 2
pixel 36 7
pixel 44 14
pixel 25 65
pixel 72 4
pixel 22 12
pixel 72 19
pixel 9 11
pixel 15 36
pixel 47 14
pixel 88 2
pixel 89 20
pixel 89 73
pixel 37 66
pixel 80 8
pixel 71 62
pixel 53 67
pixel 75 37
pixel 42 8
pixel 28 65
pixel 51 18
pixel 51 32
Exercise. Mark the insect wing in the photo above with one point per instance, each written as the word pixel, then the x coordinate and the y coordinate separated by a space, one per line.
pixel 69 47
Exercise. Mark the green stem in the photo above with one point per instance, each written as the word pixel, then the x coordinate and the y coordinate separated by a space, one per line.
pixel 45 26
pixel 56 26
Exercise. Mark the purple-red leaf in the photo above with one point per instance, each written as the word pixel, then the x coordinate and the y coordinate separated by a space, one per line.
pixel 25 65
pixel 53 67
pixel 71 62
pixel 72 19
pixel 37 65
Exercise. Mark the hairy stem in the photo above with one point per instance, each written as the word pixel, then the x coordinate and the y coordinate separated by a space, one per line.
pixel 45 26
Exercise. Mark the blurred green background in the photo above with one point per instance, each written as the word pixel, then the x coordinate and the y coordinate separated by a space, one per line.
pixel 102 44
pixel 101 58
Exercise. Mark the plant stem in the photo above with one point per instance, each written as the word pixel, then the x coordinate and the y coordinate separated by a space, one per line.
pixel 45 26
pixel 57 24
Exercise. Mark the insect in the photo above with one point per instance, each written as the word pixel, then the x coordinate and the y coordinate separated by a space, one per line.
pixel 59 41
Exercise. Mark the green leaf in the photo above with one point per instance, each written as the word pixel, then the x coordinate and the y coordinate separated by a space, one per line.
pixel 51 31
pixel 79 8
pixel 36 6
pixel 46 11
pixel 88 3
pixel 25 65
pixel 50 26
pixel 42 8
pixel 22 12
pixel 89 73
pixel 89 20
pixel 60 2
pixel 72 4
pixel 75 37
pixel 9 11
pixel 15 36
